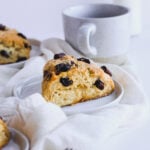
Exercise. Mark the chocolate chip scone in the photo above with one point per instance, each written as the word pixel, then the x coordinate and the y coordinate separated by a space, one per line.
pixel 4 134
pixel 68 80
pixel 14 46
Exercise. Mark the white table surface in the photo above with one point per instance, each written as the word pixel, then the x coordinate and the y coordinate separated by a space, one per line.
pixel 41 19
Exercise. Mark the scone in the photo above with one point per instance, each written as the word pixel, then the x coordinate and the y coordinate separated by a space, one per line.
pixel 4 134
pixel 14 46
pixel 67 80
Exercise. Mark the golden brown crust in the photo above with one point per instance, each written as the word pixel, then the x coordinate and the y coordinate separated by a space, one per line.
pixel 4 134
pixel 14 46
pixel 85 81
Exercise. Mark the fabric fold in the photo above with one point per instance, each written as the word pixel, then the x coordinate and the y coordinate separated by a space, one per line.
pixel 48 127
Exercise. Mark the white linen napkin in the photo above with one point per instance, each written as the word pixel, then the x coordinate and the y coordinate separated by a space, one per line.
pixel 47 126
pixel 12 76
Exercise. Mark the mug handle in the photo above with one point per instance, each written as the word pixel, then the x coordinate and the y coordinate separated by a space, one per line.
pixel 83 39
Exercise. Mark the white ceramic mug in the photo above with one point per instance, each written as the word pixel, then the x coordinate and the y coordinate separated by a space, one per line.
pixel 99 31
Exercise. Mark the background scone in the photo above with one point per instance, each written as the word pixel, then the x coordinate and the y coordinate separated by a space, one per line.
pixel 14 46
pixel 4 134
pixel 68 80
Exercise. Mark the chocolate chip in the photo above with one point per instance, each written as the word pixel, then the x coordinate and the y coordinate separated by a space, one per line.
pixel 2 27
pixel 106 70
pixel 99 84
pixel 62 68
pixel 22 35
pixel 4 54
pixel 66 81
pixel 60 55
pixel 21 59
pixel 47 75
pixel 1 118
pixel 84 60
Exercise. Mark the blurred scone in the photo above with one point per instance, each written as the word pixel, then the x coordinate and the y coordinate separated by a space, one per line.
pixel 68 80
pixel 4 134
pixel 14 46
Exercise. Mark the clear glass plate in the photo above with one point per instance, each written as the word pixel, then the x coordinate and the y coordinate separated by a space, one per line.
pixel 33 85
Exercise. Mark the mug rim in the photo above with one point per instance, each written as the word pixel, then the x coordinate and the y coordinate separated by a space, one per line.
pixel 65 11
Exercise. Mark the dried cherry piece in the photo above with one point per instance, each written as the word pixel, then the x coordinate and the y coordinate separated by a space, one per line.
pixel 26 45
pixel 21 59
pixel 47 75
pixel 63 67
pixel 2 27
pixel 72 62
pixel 4 54
pixel 22 35
pixel 99 84
pixel 59 55
pixel 105 69
pixel 84 60
pixel 66 81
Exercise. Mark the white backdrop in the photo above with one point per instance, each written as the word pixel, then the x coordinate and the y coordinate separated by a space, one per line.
pixel 37 18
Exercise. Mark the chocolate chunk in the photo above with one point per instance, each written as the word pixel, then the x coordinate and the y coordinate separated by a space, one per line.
pixel 106 70
pixel 62 68
pixel 60 55
pixel 99 84
pixel 84 60
pixel 66 81
pixel 47 75
pixel 22 35
pixel 4 54
pixel 1 118
pixel 21 59
pixel 2 27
